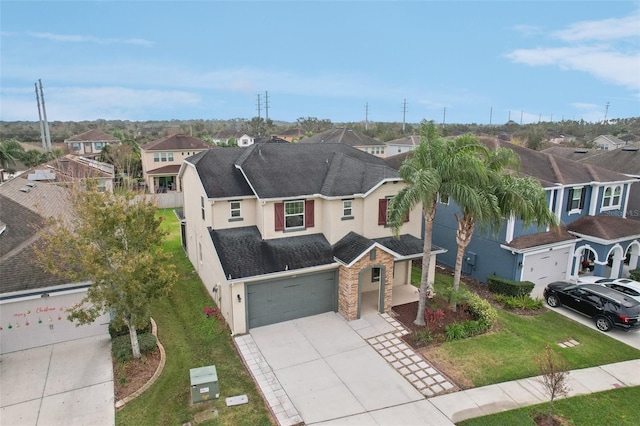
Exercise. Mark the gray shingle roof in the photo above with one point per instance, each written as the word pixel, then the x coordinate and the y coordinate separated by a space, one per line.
pixel 353 245
pixel 243 253
pixel 344 136
pixel 290 170
pixel 350 247
pixel 413 140
pixel 93 135
pixel 177 143
pixel 541 239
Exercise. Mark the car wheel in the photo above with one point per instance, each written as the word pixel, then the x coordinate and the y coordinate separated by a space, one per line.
pixel 603 323
pixel 553 301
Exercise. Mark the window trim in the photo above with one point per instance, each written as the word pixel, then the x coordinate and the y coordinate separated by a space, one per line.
pixel 235 210
pixel 375 278
pixel 609 201
pixel 571 200
pixel 348 216
pixel 286 215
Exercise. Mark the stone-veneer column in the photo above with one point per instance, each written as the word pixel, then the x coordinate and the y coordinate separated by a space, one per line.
pixel 348 283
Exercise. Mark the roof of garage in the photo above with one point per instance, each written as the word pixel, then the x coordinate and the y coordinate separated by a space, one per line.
pixel 243 253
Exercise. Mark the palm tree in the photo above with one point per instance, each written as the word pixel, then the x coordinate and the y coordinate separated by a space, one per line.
pixel 504 195
pixel 437 166
pixel 10 152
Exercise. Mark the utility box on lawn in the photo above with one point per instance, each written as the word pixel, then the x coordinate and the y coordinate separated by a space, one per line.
pixel 204 384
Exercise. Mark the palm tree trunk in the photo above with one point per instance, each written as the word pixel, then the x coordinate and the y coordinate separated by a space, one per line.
pixel 463 238
pixel 426 287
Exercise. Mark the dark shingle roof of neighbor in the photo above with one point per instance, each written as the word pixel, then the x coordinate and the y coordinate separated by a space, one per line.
pixel 605 227
pixel 93 135
pixel 541 239
pixel 395 161
pixel 18 270
pixel 344 136
pixel 413 140
pixel 353 245
pixel 289 170
pixel 176 143
pixel 622 160
pixel 551 170
pixel 243 253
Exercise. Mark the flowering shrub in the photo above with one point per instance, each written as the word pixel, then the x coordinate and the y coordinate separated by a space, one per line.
pixel 213 312
pixel 433 315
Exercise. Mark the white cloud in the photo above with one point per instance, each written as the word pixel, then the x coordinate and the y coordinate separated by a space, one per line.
pixel 603 30
pixel 602 62
pixel 528 30
pixel 74 38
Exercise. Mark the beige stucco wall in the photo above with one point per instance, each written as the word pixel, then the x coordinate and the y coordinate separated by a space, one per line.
pixel 371 229
pixel 221 213
pixel 148 163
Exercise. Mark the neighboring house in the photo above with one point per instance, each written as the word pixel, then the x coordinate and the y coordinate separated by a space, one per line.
pixel 590 203
pixel 624 160
pixel 349 137
pixel 271 139
pixel 291 135
pixel 33 303
pixel 91 143
pixel 561 139
pixel 608 142
pixel 224 136
pixel 72 168
pixel 161 160
pixel 398 146
pixel 280 231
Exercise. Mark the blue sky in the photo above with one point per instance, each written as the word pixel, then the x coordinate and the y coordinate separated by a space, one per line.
pixel 478 60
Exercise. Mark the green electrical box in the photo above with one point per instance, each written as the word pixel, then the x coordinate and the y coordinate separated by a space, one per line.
pixel 204 384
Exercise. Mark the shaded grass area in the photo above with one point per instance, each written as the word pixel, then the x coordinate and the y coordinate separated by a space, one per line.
pixel 192 340
pixel 614 407
pixel 508 352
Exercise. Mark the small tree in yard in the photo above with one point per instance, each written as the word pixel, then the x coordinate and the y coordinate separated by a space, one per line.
pixel 114 242
pixel 555 374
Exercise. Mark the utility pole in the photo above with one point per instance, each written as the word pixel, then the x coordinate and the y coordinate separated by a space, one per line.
pixel 366 116
pixel 404 113
pixel 490 115
pixel 259 105
pixel 509 120
pixel 266 105
pixel 606 111
pixel 444 114
pixel 44 140
pixel 521 113
pixel 44 114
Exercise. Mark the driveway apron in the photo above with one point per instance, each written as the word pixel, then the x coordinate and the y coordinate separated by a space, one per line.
pixel 321 368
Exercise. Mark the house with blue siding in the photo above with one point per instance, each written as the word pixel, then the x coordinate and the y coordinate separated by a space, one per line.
pixel 590 203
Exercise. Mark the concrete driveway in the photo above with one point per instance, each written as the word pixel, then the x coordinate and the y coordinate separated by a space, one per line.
pixel 67 383
pixel 331 375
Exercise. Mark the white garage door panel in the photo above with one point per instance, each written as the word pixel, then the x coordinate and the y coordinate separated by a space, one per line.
pixel 43 321
pixel 546 267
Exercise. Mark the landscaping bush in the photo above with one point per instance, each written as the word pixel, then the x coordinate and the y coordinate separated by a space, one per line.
pixel 509 287
pixel 519 302
pixel 474 327
pixel 481 310
pixel 635 274
pixel 121 346
pixel 422 337
pixel 456 331
pixel 124 330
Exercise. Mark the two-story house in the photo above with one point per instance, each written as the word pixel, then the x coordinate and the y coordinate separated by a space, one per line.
pixel 279 231
pixel 90 143
pixel 608 142
pixel 590 203
pixel 161 160
pixel 406 144
pixel 351 138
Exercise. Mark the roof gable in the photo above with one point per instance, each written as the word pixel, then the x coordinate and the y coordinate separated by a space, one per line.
pixel 93 135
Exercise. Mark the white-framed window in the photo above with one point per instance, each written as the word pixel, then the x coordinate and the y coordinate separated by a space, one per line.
pixel 293 214
pixel 156 157
pixel 75 146
pixel 234 210
pixel 575 199
pixel 347 208
pixel 202 206
pixel 375 275
pixel 162 157
pixel 382 150
pixel 98 145
pixel 443 199
pixel 612 197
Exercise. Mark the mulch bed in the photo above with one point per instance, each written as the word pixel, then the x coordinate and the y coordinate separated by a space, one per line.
pixel 132 375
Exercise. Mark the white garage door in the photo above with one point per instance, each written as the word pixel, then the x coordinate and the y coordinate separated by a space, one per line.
pixel 545 267
pixel 34 321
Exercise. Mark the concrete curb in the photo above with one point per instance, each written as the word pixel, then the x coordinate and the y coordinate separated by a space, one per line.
pixel 163 358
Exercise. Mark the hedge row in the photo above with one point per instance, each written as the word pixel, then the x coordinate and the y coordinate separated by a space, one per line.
pixel 509 287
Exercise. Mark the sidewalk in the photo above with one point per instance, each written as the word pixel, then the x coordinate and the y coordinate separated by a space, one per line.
pixel 478 402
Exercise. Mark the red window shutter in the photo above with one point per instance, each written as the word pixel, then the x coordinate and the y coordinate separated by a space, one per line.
pixel 406 218
pixel 382 211
pixel 279 216
pixel 308 214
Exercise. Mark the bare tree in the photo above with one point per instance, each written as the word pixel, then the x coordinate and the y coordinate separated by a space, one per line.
pixel 555 374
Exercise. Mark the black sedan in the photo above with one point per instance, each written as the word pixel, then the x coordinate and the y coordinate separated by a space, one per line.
pixel 607 307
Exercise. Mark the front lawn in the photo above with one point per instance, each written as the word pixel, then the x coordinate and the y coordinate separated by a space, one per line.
pixel 508 352
pixel 192 340
pixel 615 407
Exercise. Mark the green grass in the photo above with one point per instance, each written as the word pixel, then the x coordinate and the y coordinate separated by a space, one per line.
pixel 508 352
pixel 192 340
pixel 615 407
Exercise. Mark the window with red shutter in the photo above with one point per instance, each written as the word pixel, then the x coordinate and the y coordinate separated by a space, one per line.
pixel 279 216
pixel 382 211
pixel 308 214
